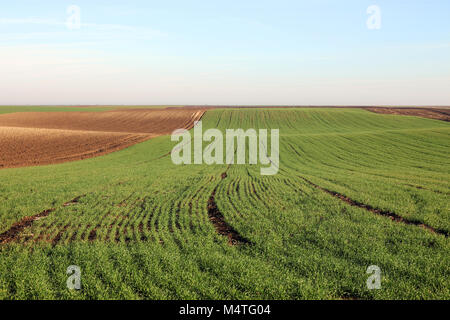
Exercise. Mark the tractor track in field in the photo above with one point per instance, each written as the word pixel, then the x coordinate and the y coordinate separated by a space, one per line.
pixel 393 216
pixel 17 228
pixel 424 188
pixel 218 220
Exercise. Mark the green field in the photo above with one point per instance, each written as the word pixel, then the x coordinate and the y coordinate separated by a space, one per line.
pixel 141 230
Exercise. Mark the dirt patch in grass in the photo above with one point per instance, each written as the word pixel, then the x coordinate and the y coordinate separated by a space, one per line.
pixel 13 233
pixel 218 220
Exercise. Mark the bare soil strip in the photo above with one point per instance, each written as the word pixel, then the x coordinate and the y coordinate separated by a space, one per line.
pixel 218 220
pixel 38 138
pixel 431 113
pixel 13 233
pixel 393 216
pixel 73 201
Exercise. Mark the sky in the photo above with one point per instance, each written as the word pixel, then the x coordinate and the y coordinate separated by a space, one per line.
pixel 234 52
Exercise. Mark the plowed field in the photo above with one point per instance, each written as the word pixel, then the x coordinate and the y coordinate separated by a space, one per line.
pixel 431 113
pixel 36 138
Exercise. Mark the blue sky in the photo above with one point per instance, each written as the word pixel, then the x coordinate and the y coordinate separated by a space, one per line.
pixel 317 52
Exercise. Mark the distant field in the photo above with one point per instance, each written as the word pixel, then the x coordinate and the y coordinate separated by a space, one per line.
pixel 10 109
pixel 355 189
pixel 432 113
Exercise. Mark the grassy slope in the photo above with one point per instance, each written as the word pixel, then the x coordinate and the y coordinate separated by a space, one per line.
pixel 307 244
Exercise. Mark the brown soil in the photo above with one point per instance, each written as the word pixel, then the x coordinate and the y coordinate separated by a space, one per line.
pixel 431 113
pixel 37 138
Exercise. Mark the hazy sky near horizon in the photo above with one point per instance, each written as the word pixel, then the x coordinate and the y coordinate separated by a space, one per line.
pixel 282 52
